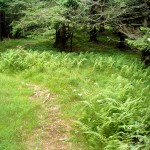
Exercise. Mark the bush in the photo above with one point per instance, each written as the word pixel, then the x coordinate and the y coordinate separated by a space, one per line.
pixel 143 42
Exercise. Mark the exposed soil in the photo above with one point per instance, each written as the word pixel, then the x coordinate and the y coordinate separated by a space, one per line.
pixel 52 134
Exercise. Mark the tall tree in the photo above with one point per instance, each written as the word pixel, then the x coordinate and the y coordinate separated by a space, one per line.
pixel 55 18
pixel 93 16
pixel 2 20
pixel 102 5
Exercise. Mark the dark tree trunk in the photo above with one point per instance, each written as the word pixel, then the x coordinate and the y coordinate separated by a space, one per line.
pixel 121 40
pixel 102 18
pixel 93 35
pixel 61 37
pixel 145 57
pixel 71 42
pixel 4 25
pixel 93 30
pixel 1 25
pixel 8 27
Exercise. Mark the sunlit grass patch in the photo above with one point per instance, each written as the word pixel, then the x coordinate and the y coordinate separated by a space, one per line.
pixel 17 113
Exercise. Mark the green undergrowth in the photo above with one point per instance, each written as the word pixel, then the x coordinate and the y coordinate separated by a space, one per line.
pixel 35 44
pixel 17 114
pixel 105 91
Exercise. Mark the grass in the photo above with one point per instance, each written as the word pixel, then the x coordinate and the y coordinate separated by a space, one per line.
pixel 105 91
pixel 17 113
pixel 26 42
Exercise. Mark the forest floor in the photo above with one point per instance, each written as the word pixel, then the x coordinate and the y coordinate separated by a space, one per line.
pixel 48 97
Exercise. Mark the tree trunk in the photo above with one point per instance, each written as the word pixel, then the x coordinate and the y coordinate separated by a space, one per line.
pixel 8 27
pixel 145 57
pixel 121 41
pixel 4 25
pixel 1 26
pixel 71 41
pixel 61 37
pixel 93 30
pixel 102 17
pixel 93 35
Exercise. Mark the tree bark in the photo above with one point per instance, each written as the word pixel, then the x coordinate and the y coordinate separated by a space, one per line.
pixel 1 26
pixel 4 25
pixel 102 17
pixel 61 37
pixel 93 30
pixel 145 57
pixel 93 35
pixel 71 42
pixel 121 41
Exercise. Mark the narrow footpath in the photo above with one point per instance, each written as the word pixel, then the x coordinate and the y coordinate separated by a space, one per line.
pixel 53 132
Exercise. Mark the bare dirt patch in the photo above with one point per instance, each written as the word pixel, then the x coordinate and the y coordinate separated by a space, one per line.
pixel 52 134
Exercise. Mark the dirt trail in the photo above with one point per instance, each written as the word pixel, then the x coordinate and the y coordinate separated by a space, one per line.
pixel 53 131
